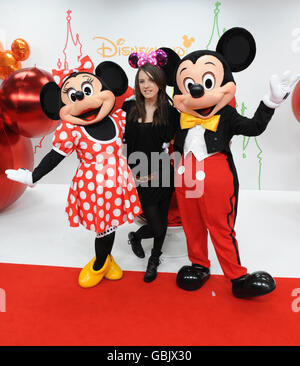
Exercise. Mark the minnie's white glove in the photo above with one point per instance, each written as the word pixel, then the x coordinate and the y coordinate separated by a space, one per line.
pixel 21 175
pixel 280 88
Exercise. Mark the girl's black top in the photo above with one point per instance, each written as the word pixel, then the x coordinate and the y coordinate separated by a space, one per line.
pixel 146 155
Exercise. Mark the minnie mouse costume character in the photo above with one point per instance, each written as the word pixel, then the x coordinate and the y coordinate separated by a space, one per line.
pixel 102 195
pixel 205 179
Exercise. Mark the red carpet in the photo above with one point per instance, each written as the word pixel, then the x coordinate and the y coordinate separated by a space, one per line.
pixel 44 306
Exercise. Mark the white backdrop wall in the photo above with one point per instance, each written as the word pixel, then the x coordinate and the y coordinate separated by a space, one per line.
pixel 269 162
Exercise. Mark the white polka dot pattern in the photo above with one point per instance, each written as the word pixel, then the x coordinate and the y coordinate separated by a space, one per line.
pixel 102 193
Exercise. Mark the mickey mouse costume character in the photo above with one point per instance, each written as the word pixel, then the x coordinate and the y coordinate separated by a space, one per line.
pixel 206 180
pixel 102 195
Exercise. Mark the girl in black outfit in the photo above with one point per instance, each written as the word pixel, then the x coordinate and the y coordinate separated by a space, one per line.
pixel 151 122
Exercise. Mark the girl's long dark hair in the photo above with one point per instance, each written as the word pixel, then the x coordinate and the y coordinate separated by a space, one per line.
pixel 138 110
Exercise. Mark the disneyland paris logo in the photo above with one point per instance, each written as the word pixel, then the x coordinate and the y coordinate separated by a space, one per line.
pixel 108 48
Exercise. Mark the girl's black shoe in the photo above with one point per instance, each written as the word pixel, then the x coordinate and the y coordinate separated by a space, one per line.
pixel 151 271
pixel 136 245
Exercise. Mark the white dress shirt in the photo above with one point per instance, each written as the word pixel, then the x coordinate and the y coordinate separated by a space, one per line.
pixel 195 143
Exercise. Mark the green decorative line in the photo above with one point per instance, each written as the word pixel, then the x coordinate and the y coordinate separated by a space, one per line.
pixel 259 163
pixel 245 144
pixel 246 139
pixel 216 24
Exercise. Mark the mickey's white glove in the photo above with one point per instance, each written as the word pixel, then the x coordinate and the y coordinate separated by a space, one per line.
pixel 280 88
pixel 21 175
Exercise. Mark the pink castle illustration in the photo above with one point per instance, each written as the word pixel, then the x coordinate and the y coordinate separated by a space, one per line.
pixel 73 59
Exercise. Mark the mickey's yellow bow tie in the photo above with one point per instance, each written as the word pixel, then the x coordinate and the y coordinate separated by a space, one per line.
pixel 189 121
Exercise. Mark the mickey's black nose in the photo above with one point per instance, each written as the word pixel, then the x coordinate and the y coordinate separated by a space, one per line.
pixel 196 90
pixel 79 95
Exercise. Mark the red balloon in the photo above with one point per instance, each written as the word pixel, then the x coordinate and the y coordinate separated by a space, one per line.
pixel 20 98
pixel 296 101
pixel 16 152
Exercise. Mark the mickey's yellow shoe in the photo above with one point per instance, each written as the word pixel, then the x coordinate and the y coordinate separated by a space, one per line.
pixel 88 277
pixel 114 272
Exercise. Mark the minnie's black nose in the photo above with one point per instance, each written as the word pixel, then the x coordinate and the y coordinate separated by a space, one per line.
pixel 79 95
pixel 196 90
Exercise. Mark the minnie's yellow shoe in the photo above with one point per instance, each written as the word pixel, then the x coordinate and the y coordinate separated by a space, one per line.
pixel 114 272
pixel 88 277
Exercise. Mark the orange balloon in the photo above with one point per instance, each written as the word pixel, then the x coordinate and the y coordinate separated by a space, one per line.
pixel 20 49
pixel 8 64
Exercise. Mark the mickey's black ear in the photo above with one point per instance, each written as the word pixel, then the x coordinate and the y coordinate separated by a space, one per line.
pixel 237 46
pixel 50 100
pixel 113 76
pixel 171 66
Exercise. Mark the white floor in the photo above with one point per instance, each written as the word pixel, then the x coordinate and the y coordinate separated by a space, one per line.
pixel 34 230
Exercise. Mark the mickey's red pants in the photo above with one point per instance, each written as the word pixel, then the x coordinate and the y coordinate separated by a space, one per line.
pixel 206 200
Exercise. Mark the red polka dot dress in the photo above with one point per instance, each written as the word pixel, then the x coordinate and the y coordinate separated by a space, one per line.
pixel 102 195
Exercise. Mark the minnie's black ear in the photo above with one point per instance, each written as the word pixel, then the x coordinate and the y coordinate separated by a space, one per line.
pixel 113 76
pixel 50 100
pixel 237 46
pixel 171 66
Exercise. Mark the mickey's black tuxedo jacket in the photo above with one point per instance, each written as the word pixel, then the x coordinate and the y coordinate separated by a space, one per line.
pixel 231 123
